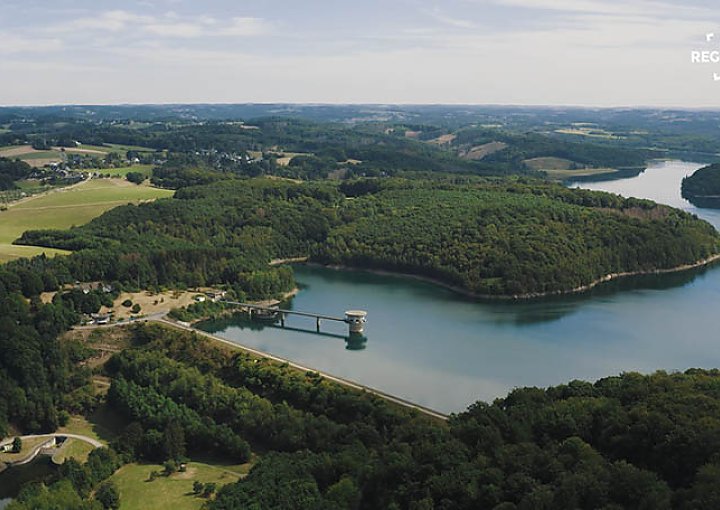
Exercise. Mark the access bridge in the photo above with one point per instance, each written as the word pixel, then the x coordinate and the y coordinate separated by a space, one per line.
pixel 355 319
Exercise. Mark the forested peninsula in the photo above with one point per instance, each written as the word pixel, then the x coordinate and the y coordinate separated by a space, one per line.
pixel 702 188
pixel 509 237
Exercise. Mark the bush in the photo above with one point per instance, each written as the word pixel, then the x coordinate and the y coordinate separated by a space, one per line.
pixel 135 308
pixel 109 496
pixel 170 467
pixel 209 489
pixel 127 303
pixel 136 177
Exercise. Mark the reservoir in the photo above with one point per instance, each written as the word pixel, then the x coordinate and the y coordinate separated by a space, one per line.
pixel 441 350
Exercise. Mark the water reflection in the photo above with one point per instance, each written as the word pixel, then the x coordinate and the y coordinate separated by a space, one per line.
pixel 241 320
pixel 12 479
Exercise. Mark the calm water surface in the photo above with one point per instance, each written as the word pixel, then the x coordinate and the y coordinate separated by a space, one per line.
pixel 435 348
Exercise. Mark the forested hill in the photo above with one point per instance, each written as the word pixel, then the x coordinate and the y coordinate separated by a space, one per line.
pixel 702 188
pixel 625 442
pixel 511 236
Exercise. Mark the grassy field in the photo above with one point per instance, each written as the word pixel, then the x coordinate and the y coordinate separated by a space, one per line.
pixel 73 449
pixel 102 425
pixel 115 147
pixel 38 158
pixel 480 151
pixel 64 208
pixel 137 492
pixel 589 131
pixel 548 163
pixel 28 445
pixel 146 170
pixel 584 172
pixel 31 156
pixel 561 169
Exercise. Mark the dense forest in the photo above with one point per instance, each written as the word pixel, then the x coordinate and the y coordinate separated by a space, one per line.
pixel 12 171
pixel 512 238
pixel 702 188
pixel 522 146
pixel 39 381
pixel 486 236
pixel 629 441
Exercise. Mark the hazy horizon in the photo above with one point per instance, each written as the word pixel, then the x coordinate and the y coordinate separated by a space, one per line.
pixel 567 53
pixel 398 104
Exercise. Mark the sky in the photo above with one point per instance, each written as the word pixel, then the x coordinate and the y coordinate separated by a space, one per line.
pixel 524 52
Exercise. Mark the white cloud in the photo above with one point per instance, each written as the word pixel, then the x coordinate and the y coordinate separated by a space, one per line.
pixel 169 25
pixel 174 29
pixel 113 21
pixel 12 44
pixel 440 16
pixel 245 27
pixel 652 8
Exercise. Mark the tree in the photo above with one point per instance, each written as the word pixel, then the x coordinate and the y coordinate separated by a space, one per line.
pixel 109 496
pixel 344 495
pixel 209 489
pixel 17 445
pixel 131 439
pixel 170 467
pixel 174 441
pixel 197 487
pixel 135 177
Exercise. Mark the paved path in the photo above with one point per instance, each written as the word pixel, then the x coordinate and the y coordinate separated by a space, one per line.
pixel 48 192
pixel 90 440
pixel 45 444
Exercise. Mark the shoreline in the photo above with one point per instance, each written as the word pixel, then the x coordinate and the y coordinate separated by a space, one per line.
pixel 336 379
pixel 526 296
pixel 231 311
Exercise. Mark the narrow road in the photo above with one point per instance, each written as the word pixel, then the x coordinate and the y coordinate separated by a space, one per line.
pixel 45 444
pixel 89 440
pixel 48 192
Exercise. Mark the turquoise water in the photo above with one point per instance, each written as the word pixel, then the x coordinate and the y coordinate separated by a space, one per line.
pixel 431 346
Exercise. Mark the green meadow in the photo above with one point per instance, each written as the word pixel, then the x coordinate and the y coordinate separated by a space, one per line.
pixel 138 491
pixel 64 208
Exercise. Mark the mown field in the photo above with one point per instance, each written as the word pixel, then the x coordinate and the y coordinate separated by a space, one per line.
pixel 39 158
pixel 65 208
pixel 73 449
pixel 146 170
pixel 174 492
